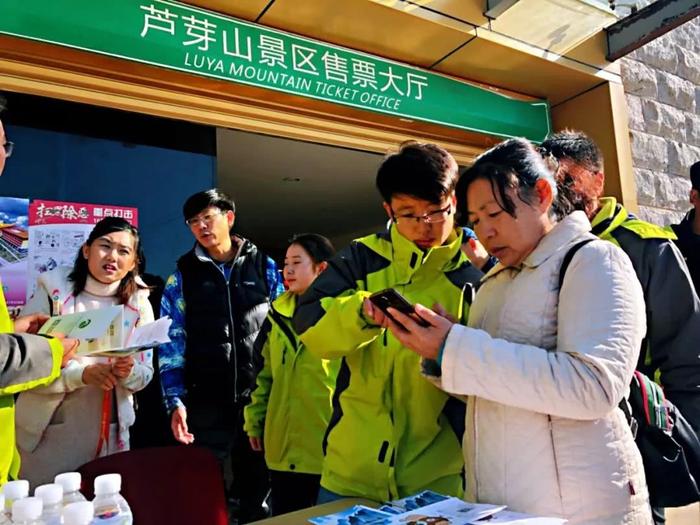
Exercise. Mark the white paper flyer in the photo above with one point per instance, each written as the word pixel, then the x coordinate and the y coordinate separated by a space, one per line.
pixel 109 331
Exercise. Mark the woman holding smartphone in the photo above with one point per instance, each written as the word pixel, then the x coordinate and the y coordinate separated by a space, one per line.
pixel 291 405
pixel 545 368
pixel 86 413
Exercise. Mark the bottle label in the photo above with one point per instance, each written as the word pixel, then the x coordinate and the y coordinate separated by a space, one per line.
pixel 112 516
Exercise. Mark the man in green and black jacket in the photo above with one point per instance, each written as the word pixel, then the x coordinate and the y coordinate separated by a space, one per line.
pixel 390 433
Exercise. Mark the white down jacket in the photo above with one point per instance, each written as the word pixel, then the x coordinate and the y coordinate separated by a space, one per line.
pixel 58 425
pixel 546 371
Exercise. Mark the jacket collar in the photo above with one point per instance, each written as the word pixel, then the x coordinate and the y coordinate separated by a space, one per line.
pixel 409 258
pixel 687 222
pixel 237 243
pixel 95 287
pixel 610 216
pixel 285 304
pixel 569 228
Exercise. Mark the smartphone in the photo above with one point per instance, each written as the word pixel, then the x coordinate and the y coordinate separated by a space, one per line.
pixel 391 298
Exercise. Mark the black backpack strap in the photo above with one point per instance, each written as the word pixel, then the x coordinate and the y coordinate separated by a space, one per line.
pixel 566 261
pixel 568 257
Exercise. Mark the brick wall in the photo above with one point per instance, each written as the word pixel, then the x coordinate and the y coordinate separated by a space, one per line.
pixel 662 85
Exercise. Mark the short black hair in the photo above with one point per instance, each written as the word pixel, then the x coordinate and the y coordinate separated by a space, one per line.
pixel 695 175
pixel 574 145
pixel 421 170
pixel 204 199
pixel 318 247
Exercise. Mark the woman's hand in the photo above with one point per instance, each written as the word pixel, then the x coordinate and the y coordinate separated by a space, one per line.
pixel 122 366
pixel 256 443
pixel 100 375
pixel 31 323
pixel 425 341
pixel 178 424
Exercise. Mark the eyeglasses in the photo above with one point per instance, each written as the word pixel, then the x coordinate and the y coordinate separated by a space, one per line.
pixel 9 148
pixel 207 220
pixel 435 217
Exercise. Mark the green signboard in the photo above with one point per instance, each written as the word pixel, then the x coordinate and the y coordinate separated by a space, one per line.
pixel 177 36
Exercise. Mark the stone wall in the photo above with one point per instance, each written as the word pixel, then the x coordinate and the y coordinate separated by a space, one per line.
pixel 662 84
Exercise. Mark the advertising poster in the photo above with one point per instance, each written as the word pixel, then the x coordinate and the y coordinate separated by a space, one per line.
pixel 13 251
pixel 57 230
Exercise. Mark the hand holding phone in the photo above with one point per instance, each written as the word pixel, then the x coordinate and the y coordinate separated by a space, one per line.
pixel 390 298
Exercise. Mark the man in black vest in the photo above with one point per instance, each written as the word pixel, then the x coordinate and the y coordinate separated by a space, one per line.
pixel 218 299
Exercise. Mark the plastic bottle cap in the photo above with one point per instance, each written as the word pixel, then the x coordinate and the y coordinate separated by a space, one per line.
pixel 78 513
pixel 27 509
pixel 50 494
pixel 70 481
pixel 16 489
pixel 108 484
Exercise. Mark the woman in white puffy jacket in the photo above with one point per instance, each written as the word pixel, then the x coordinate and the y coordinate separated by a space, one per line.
pixel 545 368
pixel 86 413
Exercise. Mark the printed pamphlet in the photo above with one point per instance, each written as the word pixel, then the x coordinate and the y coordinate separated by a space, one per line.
pixel 110 332
pixel 431 508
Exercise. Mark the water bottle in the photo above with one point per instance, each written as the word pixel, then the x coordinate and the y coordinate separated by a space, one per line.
pixel 110 507
pixel 4 520
pixel 78 513
pixel 27 511
pixel 13 491
pixel 70 481
pixel 52 497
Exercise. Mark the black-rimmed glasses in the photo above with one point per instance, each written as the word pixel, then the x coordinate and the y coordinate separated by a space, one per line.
pixel 434 217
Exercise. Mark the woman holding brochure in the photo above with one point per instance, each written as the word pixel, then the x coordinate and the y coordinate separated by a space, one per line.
pixel 545 367
pixel 86 413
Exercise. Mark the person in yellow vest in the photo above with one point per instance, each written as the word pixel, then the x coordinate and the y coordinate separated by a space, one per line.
pixel 26 361
pixel 291 405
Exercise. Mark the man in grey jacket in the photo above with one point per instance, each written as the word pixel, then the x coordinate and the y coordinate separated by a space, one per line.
pixel 670 351
pixel 26 361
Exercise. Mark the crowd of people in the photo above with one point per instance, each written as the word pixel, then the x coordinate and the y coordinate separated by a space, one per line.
pixel 503 387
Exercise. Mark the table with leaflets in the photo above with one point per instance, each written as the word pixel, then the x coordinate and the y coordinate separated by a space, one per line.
pixel 425 508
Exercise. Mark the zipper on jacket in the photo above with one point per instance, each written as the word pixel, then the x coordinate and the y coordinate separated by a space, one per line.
pixel 554 456
pixel 234 348
pixel 286 331
pixel 383 451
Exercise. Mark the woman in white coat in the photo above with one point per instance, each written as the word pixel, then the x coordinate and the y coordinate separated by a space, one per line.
pixel 86 413
pixel 545 368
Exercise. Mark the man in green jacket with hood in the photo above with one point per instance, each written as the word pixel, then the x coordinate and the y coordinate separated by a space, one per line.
pixel 390 435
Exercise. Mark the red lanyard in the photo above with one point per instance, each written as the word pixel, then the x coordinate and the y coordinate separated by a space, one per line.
pixel 105 422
